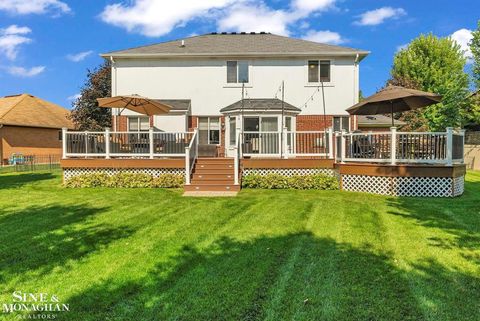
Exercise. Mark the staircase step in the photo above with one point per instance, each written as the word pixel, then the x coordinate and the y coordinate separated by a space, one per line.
pixel 214 176
pixel 214 166
pixel 217 187
pixel 210 170
pixel 213 182
pixel 214 160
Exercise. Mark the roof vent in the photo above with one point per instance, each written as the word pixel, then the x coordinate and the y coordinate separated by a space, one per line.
pixel 224 33
pixel 262 32
pixel 243 32
pixel 183 43
pixel 252 33
pixel 234 33
pixel 213 33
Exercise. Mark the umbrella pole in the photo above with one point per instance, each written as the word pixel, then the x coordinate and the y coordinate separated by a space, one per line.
pixel 391 105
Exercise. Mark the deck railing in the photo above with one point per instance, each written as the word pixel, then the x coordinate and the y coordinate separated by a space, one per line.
pixel 403 147
pixel 375 147
pixel 191 154
pixel 107 144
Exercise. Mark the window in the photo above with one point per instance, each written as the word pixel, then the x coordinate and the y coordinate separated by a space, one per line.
pixel 138 124
pixel 237 72
pixel 60 135
pixel 341 122
pixel 319 71
pixel 209 130
pixel 233 130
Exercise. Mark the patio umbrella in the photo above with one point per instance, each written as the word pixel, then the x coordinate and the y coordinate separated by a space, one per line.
pixel 394 99
pixel 136 103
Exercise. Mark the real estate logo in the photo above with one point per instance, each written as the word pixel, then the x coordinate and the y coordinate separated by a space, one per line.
pixel 29 306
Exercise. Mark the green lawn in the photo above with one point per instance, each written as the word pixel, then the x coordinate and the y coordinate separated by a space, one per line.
pixel 146 254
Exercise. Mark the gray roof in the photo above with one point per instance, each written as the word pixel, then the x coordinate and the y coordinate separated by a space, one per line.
pixel 260 104
pixel 377 121
pixel 176 104
pixel 237 44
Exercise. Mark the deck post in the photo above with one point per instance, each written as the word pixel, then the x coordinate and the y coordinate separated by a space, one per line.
pixel 343 146
pixel 449 146
pixel 150 137
pixel 393 145
pixel 187 165
pixel 285 144
pixel 64 142
pixel 107 143
pixel 330 142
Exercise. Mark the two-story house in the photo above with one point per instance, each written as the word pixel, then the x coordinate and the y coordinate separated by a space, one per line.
pixel 203 78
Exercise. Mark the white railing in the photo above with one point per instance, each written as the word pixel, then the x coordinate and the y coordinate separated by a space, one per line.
pixel 191 154
pixel 237 157
pixel 288 143
pixel 107 144
pixel 402 147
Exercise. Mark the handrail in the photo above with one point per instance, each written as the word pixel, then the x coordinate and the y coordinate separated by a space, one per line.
pixel 238 155
pixel 191 154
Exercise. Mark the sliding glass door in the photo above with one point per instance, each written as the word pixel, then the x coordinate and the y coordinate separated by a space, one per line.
pixel 261 135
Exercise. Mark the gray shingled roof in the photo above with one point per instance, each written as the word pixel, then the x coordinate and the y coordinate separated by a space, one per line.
pixel 238 44
pixel 260 104
pixel 176 104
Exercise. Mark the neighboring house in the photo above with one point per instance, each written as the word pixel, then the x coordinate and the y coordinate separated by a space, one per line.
pixel 375 123
pixel 207 73
pixel 30 126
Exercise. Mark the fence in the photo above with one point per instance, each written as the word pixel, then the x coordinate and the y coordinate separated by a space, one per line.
pixel 27 163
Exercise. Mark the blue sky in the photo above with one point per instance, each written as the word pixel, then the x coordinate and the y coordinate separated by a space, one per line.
pixel 47 45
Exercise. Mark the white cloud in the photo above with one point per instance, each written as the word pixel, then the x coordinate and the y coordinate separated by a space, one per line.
pixel 74 97
pixel 34 6
pixel 324 36
pixel 79 56
pixel 11 38
pixel 25 72
pixel 378 16
pixel 402 47
pixel 157 17
pixel 255 17
pixel 463 37
pixel 312 5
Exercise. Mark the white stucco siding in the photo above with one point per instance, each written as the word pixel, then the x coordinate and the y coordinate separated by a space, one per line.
pixel 171 124
pixel 204 82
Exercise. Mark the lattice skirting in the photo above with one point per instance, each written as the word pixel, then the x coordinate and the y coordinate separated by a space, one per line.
pixel 404 186
pixel 155 172
pixel 289 171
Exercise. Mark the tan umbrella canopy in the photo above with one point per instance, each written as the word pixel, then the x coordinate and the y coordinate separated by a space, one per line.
pixel 135 103
pixel 394 99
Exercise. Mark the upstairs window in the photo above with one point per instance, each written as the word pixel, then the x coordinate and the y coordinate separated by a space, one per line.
pixel 319 71
pixel 237 72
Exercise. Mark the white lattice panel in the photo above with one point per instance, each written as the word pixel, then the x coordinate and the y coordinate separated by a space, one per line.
pixel 423 186
pixel 154 172
pixel 404 186
pixel 458 185
pixel 288 171
pixel 368 184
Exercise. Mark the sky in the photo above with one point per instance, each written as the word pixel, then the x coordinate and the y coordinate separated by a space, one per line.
pixel 46 46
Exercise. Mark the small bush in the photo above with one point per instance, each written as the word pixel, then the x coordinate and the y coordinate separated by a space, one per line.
pixel 168 181
pixel 123 179
pixel 277 181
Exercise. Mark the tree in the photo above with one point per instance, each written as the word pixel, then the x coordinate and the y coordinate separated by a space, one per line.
pixel 475 48
pixel 86 114
pixel 436 65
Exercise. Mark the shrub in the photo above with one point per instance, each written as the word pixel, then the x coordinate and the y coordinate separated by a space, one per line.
pixel 277 181
pixel 123 179
pixel 168 181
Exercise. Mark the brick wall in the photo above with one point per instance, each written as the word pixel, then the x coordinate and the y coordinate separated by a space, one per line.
pixel 313 122
pixel 29 141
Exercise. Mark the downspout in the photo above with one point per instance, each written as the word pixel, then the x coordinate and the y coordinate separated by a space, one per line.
pixel 355 91
pixel 115 82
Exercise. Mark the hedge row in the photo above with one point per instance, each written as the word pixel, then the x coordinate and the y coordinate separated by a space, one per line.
pixel 130 180
pixel 277 181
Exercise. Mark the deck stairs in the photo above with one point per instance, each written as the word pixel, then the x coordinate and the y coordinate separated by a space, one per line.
pixel 213 174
